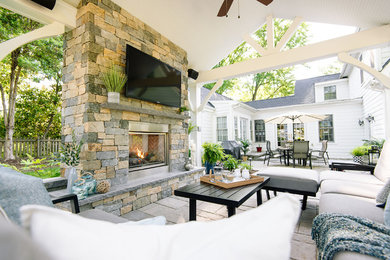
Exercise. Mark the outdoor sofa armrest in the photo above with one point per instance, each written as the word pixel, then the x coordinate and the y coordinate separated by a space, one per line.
pixel 351 166
pixel 74 202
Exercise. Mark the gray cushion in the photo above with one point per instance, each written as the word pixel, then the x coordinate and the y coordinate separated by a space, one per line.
pixel 387 212
pixel 102 215
pixel 293 179
pixel 347 255
pixel 383 194
pixel 16 244
pixel 18 189
pixel 350 176
pixel 350 188
pixel 352 205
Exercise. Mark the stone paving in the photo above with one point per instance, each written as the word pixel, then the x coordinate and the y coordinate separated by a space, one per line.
pixel 176 210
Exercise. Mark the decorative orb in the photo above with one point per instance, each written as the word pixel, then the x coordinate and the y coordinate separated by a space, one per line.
pixel 188 166
pixel 103 186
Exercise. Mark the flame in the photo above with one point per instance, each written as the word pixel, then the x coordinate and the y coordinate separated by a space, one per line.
pixel 140 154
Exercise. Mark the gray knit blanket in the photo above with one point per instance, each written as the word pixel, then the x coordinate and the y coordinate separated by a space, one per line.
pixel 337 232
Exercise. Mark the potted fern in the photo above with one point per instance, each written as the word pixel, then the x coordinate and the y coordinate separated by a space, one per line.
pixel 245 148
pixel 114 80
pixel 211 155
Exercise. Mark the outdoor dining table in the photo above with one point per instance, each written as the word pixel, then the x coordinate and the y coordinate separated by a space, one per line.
pixel 286 154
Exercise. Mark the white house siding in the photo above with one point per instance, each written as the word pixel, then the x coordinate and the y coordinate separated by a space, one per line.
pixel 342 89
pixel 347 132
pixel 208 125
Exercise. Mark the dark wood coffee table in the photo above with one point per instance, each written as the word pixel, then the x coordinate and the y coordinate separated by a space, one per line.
pixel 232 198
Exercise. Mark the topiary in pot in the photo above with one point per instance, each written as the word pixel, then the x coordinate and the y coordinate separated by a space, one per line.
pixel 358 153
pixel 211 155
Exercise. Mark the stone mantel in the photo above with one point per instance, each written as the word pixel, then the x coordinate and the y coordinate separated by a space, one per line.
pixel 144 111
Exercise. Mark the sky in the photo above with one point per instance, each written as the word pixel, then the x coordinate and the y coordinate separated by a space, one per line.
pixel 321 32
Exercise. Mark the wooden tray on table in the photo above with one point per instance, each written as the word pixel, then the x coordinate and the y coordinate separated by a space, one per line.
pixel 234 184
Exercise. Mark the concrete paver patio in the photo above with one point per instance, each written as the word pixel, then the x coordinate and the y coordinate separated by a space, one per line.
pixel 176 210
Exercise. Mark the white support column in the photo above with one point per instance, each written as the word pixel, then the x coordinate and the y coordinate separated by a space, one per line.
pixel 387 113
pixel 50 30
pixel 346 58
pixel 212 91
pixel 195 141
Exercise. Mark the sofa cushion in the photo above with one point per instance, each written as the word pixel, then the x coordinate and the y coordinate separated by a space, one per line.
pixel 18 189
pixel 238 237
pixel 387 212
pixel 382 168
pixel 16 244
pixel 289 178
pixel 352 205
pixel 351 188
pixel 350 177
pixel 383 194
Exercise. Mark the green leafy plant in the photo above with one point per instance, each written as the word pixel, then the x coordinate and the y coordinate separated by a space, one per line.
pixel 191 127
pixel 360 151
pixel 212 152
pixel 41 167
pixel 114 79
pixel 231 163
pixel 245 166
pixel 183 109
pixel 9 166
pixel 374 142
pixel 245 146
pixel 70 152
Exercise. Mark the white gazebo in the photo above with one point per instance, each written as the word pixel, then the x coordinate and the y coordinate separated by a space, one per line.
pixel 195 27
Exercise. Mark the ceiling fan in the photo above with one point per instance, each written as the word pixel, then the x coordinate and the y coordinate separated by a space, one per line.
pixel 228 3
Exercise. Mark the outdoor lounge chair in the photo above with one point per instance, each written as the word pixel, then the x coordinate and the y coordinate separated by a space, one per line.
pixel 320 154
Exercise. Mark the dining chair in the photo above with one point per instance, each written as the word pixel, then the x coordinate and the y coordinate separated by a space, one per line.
pixel 301 152
pixel 321 153
pixel 271 154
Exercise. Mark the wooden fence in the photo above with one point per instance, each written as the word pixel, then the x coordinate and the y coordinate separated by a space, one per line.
pixel 34 147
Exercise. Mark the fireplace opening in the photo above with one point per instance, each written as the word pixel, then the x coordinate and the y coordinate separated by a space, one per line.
pixel 147 150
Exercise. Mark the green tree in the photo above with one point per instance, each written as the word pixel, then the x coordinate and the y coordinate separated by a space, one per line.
pixel 269 84
pixel 33 61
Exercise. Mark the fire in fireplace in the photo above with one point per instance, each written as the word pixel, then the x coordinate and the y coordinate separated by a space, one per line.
pixel 147 149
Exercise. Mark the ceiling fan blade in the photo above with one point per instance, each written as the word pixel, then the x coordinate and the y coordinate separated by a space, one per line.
pixel 265 2
pixel 225 8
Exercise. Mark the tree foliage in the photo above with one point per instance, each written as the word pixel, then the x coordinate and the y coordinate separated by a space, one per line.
pixel 275 83
pixel 33 61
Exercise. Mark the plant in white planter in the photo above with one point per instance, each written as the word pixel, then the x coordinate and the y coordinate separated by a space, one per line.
pixel 358 153
pixel 114 80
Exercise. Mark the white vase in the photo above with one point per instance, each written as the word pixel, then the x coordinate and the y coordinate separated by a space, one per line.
pixel 245 174
pixel 71 175
pixel 113 97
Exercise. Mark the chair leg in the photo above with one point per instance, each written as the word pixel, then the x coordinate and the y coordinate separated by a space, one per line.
pixel 269 158
pixel 311 167
pixel 268 196
pixel 304 202
pixel 275 194
pixel 294 162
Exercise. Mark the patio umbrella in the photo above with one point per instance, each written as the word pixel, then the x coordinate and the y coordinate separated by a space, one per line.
pixel 295 117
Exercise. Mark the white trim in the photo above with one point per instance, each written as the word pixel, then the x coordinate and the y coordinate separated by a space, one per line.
pixel 289 33
pixel 330 82
pixel 346 58
pixel 351 43
pixel 212 91
pixel 254 44
pixel 270 34
pixel 50 30
pixel 62 12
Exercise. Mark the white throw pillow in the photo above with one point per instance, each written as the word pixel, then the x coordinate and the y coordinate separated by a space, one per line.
pixel 382 168
pixel 261 233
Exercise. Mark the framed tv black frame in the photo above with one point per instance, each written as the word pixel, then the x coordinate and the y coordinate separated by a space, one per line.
pixel 151 80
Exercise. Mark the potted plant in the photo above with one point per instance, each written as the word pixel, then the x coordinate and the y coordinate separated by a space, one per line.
pixel 245 168
pixel 245 149
pixel 231 163
pixel 211 155
pixel 70 155
pixel 358 153
pixel 114 80
pixel 259 149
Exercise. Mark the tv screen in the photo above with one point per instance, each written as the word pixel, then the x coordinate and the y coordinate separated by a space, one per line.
pixel 151 80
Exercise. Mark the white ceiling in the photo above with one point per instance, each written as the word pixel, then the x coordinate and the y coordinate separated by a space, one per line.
pixel 195 27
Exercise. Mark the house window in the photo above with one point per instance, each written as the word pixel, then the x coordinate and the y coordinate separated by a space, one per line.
pixel 326 129
pixel 222 132
pixel 282 133
pixel 244 128
pixel 329 92
pixel 236 128
pixel 251 130
pixel 259 131
pixel 299 131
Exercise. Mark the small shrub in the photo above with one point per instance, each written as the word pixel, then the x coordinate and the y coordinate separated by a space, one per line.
pixel 360 151
pixel 231 163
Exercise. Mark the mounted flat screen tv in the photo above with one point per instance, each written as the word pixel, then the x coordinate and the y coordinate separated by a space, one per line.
pixel 151 80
